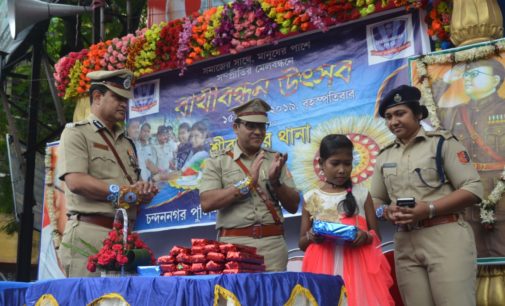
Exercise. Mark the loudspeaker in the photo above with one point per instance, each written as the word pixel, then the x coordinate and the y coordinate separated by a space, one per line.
pixel 23 13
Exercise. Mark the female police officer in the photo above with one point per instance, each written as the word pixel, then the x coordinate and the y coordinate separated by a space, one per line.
pixel 434 247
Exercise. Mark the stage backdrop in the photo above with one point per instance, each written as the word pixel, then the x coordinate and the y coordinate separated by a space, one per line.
pixel 317 84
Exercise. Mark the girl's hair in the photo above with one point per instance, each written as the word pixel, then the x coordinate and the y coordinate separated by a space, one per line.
pixel 329 146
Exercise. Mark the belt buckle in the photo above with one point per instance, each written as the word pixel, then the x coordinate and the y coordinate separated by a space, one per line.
pixel 257 231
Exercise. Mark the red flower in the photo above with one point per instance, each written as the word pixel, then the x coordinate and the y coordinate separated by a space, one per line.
pixel 113 254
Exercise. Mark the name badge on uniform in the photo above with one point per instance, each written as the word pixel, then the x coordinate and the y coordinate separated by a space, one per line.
pixel 100 146
pixel 389 165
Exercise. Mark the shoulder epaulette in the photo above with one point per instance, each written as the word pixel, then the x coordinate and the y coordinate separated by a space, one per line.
pixel 441 133
pixel 269 150
pixel 389 145
pixel 76 124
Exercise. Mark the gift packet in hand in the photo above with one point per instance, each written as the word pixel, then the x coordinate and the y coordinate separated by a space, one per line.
pixel 335 231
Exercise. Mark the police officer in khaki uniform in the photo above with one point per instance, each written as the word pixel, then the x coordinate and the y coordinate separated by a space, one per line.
pixel 246 184
pixel 91 171
pixel 480 126
pixel 434 247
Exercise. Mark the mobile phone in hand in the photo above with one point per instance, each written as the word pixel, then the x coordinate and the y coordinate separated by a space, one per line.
pixel 406 202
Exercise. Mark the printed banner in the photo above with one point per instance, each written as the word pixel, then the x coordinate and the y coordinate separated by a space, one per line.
pixel 316 84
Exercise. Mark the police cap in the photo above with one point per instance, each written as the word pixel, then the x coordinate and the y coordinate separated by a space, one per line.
pixel 403 94
pixel 254 110
pixel 117 81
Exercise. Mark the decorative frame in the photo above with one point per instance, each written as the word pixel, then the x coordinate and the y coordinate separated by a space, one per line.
pixel 455 56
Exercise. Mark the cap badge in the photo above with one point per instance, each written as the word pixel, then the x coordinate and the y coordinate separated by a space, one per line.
pixel 127 83
pixel 256 107
pixel 397 98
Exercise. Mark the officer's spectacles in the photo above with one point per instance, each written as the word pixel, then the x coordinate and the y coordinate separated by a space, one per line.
pixel 252 126
pixel 474 73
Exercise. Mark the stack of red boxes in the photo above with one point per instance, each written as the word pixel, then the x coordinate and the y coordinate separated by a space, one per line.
pixel 211 257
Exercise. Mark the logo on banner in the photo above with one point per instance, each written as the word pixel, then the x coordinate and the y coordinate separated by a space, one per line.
pixel 391 39
pixel 146 99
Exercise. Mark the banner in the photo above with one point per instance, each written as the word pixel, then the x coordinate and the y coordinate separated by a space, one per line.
pixel 317 84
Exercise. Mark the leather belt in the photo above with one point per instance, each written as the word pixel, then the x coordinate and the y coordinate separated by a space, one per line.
pixel 255 231
pixel 95 219
pixel 429 222
pixel 439 220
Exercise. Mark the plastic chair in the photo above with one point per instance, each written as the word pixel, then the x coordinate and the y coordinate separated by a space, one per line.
pixel 390 257
pixel 295 260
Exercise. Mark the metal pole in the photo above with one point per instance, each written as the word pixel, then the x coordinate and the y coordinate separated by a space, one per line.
pixel 96 25
pixel 26 229
pixel 102 23
pixel 129 16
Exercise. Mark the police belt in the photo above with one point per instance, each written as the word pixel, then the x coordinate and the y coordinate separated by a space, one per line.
pixel 95 219
pixel 255 231
pixel 429 222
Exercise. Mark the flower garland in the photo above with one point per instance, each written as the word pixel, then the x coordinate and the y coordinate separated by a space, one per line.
pixel 231 28
pixel 49 163
pixel 487 206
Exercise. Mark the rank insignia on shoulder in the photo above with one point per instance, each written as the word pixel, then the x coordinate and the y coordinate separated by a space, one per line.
pixel 463 157
pixel 75 124
pixel 98 124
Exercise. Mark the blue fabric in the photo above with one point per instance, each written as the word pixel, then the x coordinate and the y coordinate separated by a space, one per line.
pixel 13 293
pixel 250 289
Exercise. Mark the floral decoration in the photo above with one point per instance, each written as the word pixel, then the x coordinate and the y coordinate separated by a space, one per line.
pixel 487 206
pixel 114 253
pixel 231 28
pixel 438 20
pixel 62 70
pixel 166 46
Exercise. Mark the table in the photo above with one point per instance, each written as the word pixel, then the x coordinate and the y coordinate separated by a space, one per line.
pixel 246 289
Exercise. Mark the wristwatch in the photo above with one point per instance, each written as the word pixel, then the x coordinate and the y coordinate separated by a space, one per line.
pixel 130 197
pixel 380 211
pixel 113 192
pixel 244 186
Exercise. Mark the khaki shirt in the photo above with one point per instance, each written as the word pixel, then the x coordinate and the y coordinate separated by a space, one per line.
pixel 83 150
pixel 222 172
pixel 395 175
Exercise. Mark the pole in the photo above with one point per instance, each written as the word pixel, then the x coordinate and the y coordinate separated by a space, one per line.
pixel 25 237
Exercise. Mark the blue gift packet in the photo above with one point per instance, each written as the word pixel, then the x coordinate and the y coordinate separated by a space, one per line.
pixel 148 271
pixel 336 231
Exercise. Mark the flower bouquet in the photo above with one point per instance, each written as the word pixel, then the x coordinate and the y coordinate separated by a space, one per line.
pixel 122 250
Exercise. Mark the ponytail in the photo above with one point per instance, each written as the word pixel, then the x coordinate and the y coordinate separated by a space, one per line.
pixel 349 203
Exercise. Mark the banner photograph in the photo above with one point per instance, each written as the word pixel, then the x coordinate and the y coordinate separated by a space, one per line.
pixel 315 84
pixel 465 95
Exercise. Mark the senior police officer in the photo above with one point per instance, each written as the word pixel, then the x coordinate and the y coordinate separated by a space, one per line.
pixel 95 158
pixel 434 247
pixel 246 184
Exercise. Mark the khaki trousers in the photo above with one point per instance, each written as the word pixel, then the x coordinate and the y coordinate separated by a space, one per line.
pixel 273 248
pixel 74 264
pixel 437 265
